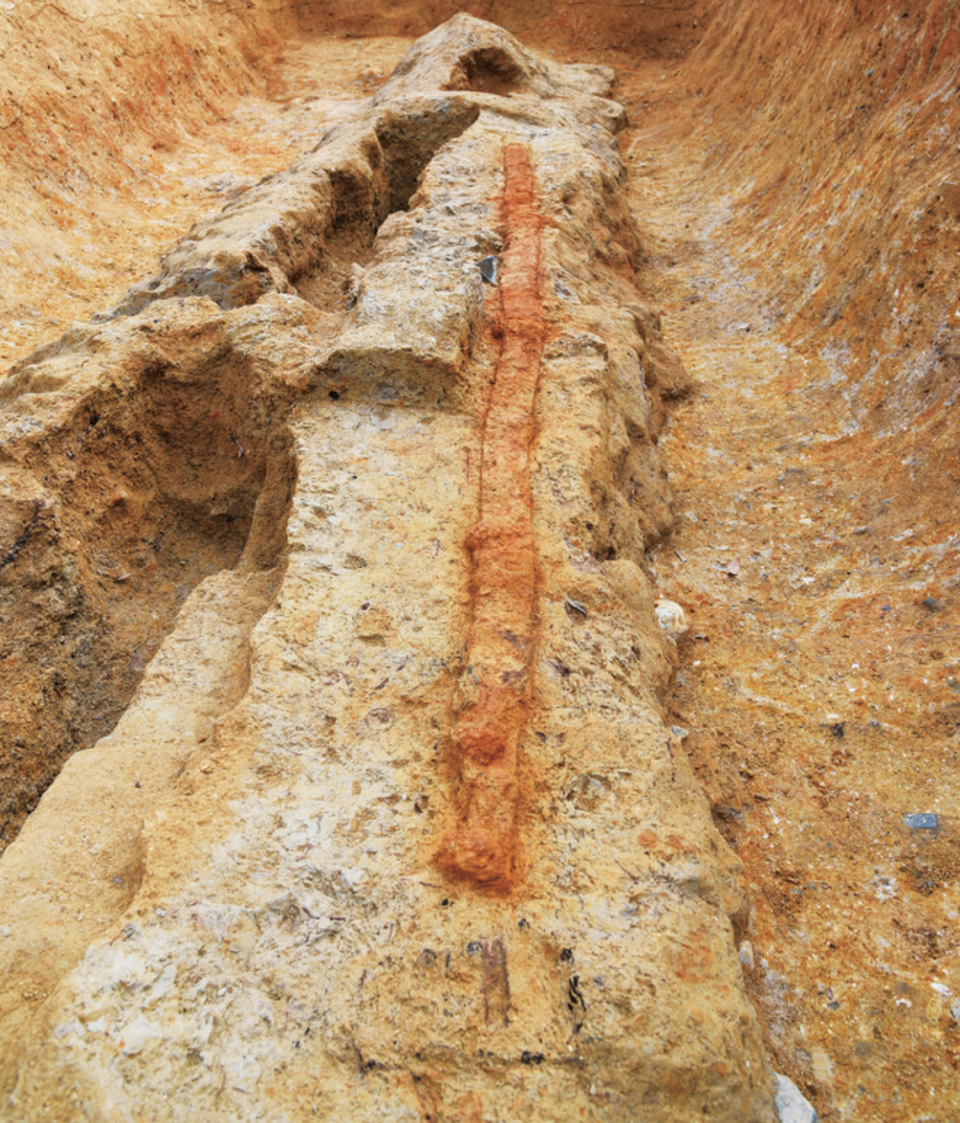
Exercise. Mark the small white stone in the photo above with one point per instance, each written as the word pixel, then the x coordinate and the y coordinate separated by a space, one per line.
pixel 791 1105
pixel 670 617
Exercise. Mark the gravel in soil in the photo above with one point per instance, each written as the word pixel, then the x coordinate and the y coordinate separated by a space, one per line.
pixel 820 676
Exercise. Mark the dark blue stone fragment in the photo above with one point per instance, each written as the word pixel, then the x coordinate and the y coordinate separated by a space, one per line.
pixel 488 269
pixel 921 821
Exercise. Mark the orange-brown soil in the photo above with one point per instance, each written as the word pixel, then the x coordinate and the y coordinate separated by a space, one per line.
pixel 794 169
pixel 500 646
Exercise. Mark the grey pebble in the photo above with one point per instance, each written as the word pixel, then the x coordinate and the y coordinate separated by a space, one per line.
pixel 488 269
pixel 791 1105
pixel 921 821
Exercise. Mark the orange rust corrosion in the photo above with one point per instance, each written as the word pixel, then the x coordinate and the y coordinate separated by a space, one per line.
pixel 482 848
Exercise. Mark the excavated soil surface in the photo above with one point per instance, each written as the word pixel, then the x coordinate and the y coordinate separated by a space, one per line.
pixel 816 545
pixel 812 295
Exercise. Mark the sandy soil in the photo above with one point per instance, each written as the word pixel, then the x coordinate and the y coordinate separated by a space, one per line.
pixel 816 554
pixel 816 544
pixel 79 256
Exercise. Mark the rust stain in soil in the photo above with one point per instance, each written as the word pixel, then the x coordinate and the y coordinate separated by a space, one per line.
pixel 481 849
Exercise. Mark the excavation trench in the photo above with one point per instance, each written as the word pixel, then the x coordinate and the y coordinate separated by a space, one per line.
pixel 566 799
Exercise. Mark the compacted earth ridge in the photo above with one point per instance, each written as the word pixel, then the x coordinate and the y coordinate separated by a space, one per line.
pixel 373 787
